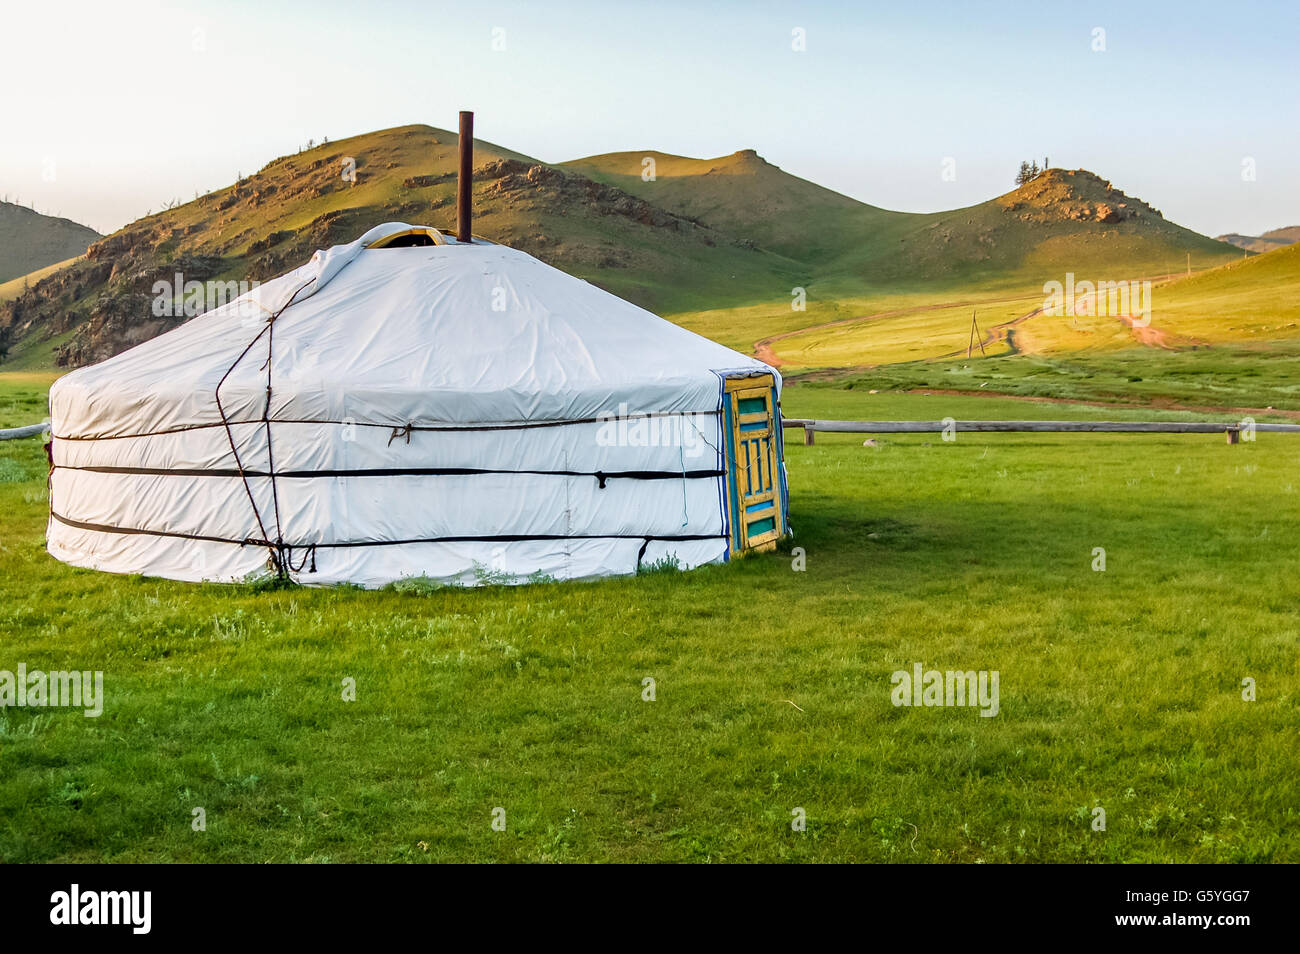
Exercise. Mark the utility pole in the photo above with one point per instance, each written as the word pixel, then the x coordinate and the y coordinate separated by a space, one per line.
pixel 974 334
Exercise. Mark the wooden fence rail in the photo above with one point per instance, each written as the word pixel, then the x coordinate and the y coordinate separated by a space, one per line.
pixel 1232 430
pixel 13 433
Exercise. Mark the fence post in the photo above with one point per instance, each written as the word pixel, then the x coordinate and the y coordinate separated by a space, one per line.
pixel 808 432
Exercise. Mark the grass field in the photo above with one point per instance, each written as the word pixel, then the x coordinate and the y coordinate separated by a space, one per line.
pixel 1118 689
pixel 1247 380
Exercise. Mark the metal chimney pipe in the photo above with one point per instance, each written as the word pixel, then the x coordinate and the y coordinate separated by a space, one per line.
pixel 465 180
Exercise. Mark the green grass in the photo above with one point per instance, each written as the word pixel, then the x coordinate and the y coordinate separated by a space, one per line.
pixel 1118 689
pixel 1221 378
pixel 23 397
pixel 34 354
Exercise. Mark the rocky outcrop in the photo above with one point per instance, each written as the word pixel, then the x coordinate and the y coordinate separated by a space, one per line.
pixel 555 188
pixel 1060 195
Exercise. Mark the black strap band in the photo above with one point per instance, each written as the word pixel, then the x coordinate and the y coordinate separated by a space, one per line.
pixel 600 475
pixel 406 429
pixel 350 544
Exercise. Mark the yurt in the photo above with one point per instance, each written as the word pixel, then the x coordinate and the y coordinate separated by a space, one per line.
pixel 415 405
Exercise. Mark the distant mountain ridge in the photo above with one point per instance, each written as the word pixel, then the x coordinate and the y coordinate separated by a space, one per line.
pixel 699 233
pixel 30 241
pixel 1275 238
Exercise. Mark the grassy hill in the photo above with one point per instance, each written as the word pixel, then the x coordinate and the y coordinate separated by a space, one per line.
pixel 750 198
pixel 1250 300
pixel 270 222
pixel 1063 220
pixel 1227 339
pixel 30 241
pixel 719 243
pixel 1246 303
pixel 1227 335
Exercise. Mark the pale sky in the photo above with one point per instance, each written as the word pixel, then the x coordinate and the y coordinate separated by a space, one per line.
pixel 112 109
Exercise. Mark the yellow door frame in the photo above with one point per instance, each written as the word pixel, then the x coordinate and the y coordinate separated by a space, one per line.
pixel 754 465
